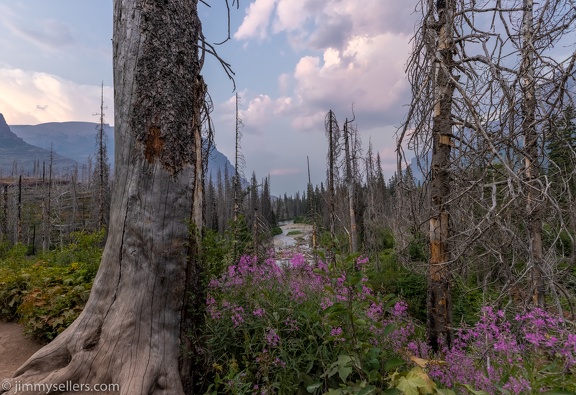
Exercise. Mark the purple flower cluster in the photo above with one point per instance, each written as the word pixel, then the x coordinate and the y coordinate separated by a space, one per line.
pixel 244 294
pixel 498 353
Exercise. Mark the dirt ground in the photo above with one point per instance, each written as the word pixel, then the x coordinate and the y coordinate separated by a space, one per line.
pixel 15 349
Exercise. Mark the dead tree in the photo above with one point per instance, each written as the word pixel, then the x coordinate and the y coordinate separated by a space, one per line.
pixel 351 186
pixel 531 159
pixel 102 170
pixel 239 164
pixel 497 191
pixel 333 135
pixel 133 330
pixel 19 212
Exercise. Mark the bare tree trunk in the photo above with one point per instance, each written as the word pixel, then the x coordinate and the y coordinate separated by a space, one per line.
pixel 531 165
pixel 351 191
pixel 46 207
pixel 5 213
pixel 102 168
pixel 311 206
pixel 439 300
pixel 19 212
pixel 238 163
pixel 333 133
pixel 130 330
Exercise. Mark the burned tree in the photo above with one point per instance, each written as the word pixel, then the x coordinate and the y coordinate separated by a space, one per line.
pixel 477 125
pixel 133 330
pixel 333 135
pixel 433 68
pixel 101 171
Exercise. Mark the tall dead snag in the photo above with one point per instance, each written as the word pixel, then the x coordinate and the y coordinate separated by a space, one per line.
pixel 333 134
pixel 102 170
pixel 130 330
pixel 531 153
pixel 237 186
pixel 432 73
pixel 19 211
pixel 439 302
pixel 351 183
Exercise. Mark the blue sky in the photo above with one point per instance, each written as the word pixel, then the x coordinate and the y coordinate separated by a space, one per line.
pixel 293 61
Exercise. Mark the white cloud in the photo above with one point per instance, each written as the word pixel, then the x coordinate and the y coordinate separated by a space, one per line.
pixel 257 115
pixel 257 19
pixel 318 24
pixel 31 97
pixel 369 73
pixel 290 15
pixel 363 49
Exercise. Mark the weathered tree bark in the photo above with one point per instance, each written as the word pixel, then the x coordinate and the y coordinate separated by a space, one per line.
pixel 19 212
pixel 130 330
pixel 333 134
pixel 531 165
pixel 351 191
pixel 439 304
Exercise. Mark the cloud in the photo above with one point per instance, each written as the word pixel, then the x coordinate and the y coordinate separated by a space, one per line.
pixel 369 72
pixel 256 111
pixel 255 24
pixel 49 34
pixel 357 55
pixel 30 97
pixel 318 24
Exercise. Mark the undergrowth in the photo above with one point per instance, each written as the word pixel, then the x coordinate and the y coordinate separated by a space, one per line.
pixel 48 291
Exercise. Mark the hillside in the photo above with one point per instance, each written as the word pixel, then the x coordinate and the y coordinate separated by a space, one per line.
pixel 19 157
pixel 77 141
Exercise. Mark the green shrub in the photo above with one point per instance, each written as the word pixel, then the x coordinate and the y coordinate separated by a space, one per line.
pixel 47 292
pixel 390 277
pixel 294 233
pixel 301 329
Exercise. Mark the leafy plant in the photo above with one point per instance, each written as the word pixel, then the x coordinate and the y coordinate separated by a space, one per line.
pixel 46 293
pixel 302 329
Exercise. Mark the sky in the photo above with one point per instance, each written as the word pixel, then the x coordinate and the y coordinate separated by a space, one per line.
pixel 294 60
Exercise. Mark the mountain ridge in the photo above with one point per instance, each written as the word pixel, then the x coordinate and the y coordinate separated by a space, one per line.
pixel 76 140
pixel 17 157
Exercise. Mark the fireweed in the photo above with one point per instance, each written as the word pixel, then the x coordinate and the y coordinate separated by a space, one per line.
pixel 301 327
pixel 536 352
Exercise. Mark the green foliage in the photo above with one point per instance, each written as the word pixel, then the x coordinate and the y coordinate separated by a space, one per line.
pixel 467 303
pixel 219 251
pixel 415 382
pixel 294 233
pixel 338 244
pixel 276 230
pixel 417 251
pixel 215 250
pixel 390 277
pixel 47 292
pixel 300 330
pixel 302 220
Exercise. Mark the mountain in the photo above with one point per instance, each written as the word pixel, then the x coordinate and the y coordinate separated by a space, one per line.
pixel 19 157
pixel 77 140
